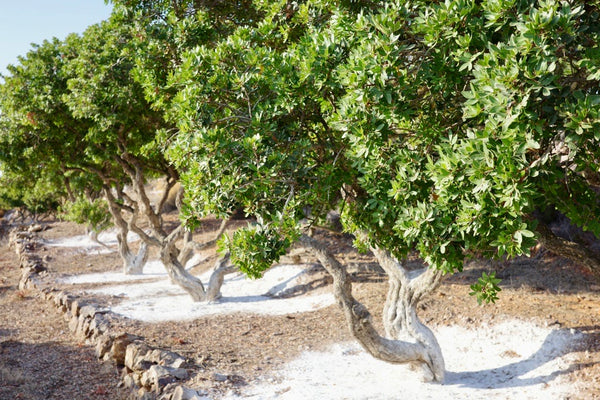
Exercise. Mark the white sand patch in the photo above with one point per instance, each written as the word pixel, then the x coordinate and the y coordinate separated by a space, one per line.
pixel 511 360
pixel 108 237
pixel 163 301
pixel 152 270
pixel 180 307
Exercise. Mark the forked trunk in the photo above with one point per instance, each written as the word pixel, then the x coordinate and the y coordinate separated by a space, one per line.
pixel 94 237
pixel 400 318
pixel 179 276
pixel 407 340
pixel 132 263
pixel 191 284
pixel 221 268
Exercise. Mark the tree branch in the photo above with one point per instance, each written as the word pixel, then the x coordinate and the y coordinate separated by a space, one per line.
pixel 568 249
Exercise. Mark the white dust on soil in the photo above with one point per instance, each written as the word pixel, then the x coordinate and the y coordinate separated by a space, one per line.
pixel 510 360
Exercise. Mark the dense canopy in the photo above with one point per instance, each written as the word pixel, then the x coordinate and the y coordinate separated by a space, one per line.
pixel 443 129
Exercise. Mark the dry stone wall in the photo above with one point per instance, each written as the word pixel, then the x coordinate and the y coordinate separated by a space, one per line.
pixel 150 373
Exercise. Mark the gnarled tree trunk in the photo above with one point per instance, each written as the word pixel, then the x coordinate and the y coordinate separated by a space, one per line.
pixel 173 257
pixel 175 260
pixel 407 340
pixel 132 263
pixel 94 237
pixel 572 250
pixel 170 257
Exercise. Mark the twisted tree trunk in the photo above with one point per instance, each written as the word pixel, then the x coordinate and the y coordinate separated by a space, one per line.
pixel 173 257
pixel 407 340
pixel 170 256
pixel 574 251
pixel 93 235
pixel 132 263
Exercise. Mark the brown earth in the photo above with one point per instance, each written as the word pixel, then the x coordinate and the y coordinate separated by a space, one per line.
pixel 39 360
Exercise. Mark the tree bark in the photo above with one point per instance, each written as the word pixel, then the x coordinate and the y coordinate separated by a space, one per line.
pixel 572 250
pixel 175 260
pixel 93 234
pixel 191 284
pixel 189 246
pixel 221 268
pixel 407 340
pixel 132 263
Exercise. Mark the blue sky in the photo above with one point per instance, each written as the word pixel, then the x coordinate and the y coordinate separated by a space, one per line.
pixel 23 22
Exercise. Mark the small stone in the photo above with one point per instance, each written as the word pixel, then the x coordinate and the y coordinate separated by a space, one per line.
pixel 119 347
pixel 88 311
pixel 75 307
pixel 128 381
pixel 158 376
pixel 219 377
pixel 184 393
pixel 98 325
pixel 103 345
pixel 35 228
pixel 144 395
pixel 83 328
pixel 135 356
pixel 73 323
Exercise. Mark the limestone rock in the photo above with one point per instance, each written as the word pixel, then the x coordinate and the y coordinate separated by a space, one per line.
pixel 88 311
pixel 73 323
pixel 103 345
pixel 220 377
pixel 184 393
pixel 158 376
pixel 119 347
pixel 135 357
pixel 35 228
pixel 98 326
pixel 83 327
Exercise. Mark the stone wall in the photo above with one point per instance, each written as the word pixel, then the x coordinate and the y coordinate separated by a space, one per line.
pixel 150 373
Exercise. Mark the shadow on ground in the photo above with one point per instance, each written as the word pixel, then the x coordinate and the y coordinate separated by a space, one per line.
pixel 522 373
pixel 49 371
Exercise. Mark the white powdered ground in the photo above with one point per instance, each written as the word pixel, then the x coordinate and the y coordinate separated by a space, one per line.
pixel 509 360
pixel 158 299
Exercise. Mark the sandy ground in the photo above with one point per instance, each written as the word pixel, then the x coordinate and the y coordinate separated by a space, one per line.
pixel 540 341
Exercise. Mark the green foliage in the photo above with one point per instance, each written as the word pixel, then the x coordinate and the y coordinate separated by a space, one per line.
pixel 486 289
pixel 438 127
pixel 94 213
pixel 255 249
pixel 39 196
pixel 73 118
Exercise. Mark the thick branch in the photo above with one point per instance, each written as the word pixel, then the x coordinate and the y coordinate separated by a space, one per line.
pixel 115 208
pixel 190 245
pixel 359 318
pixel 132 167
pixel 221 268
pixel 568 249
pixel 418 282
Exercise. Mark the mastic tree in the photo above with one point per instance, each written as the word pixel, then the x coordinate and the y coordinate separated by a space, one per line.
pixel 47 135
pixel 124 136
pixel 73 109
pixel 161 31
pixel 36 126
pixel 437 128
